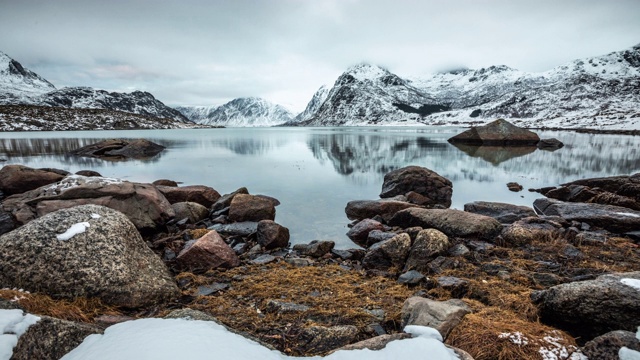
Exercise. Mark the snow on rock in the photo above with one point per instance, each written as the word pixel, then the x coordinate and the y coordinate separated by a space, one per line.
pixel 157 339
pixel 634 283
pixel 241 112
pixel 75 229
pixel 13 323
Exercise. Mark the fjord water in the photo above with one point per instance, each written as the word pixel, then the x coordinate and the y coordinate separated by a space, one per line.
pixel 314 172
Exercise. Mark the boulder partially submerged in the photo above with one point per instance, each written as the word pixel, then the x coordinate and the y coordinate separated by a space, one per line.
pixel 120 149
pixel 498 132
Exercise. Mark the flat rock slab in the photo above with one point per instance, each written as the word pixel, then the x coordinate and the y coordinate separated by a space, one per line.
pixel 452 222
pixel 120 149
pixel 612 218
pixel 244 228
pixel 368 209
pixel 504 213
pixel 498 132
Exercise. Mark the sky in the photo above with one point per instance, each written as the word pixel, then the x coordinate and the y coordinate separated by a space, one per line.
pixel 208 52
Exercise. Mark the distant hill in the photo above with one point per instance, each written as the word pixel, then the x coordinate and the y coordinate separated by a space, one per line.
pixel 241 112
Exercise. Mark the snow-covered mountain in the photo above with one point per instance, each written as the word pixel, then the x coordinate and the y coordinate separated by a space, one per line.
pixel 20 86
pixel 241 112
pixel 598 92
pixel 316 101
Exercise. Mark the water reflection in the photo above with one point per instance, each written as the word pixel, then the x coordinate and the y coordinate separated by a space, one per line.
pixel 495 154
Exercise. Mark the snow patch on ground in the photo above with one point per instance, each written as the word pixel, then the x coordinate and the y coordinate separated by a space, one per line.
pixel 95 216
pixel 74 230
pixel 634 283
pixel 517 338
pixel 157 339
pixel 13 323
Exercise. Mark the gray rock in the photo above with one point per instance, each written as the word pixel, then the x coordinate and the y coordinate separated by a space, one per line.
pixel 359 233
pixel 429 244
pixel 612 218
pixel 6 222
pixel 389 253
pixel 207 252
pixel 457 286
pixel 591 238
pixel 263 259
pixel 525 231
pixel 280 307
pixel 376 343
pixel 51 339
pixel 607 346
pixel 458 250
pixel 411 277
pixel 315 248
pixel 504 213
pixel 225 200
pixel 377 236
pixel 244 228
pixel 205 290
pixel 594 307
pixel 299 261
pixel 367 209
pixel 433 188
pixel 452 222
pixel 190 210
pixel 109 260
pixel 120 149
pixel 440 315
pixel 319 339
pixel 552 144
pixel 272 235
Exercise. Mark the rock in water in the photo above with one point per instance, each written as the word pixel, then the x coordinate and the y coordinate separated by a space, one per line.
pixel 433 188
pixel 85 251
pixel 612 218
pixel 498 132
pixel 552 144
pixel 120 149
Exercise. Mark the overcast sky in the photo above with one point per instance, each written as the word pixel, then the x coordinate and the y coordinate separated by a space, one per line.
pixel 207 52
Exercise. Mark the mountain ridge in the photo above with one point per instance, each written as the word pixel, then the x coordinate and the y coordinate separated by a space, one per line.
pixel 239 112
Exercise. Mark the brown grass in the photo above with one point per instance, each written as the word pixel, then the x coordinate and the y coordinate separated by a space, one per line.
pixel 80 309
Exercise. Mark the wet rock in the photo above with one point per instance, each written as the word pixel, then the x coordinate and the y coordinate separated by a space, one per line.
pixel 207 252
pixel 120 149
pixel 205 290
pixel 376 343
pixel 389 253
pixel 514 186
pixel 17 179
pixel 272 235
pixel 367 209
pixel 359 233
pixel 141 203
pixel 377 236
pixel 549 144
pixel 203 195
pixel 280 307
pixel 440 315
pixel 411 277
pixel 504 213
pixel 433 188
pixel 225 200
pixel 165 182
pixel 607 346
pixel 316 248
pixel 429 244
pixel 85 251
pixel 244 228
pixel 319 339
pixel 612 218
pixel 51 339
pixel 251 208
pixel 593 307
pixel 88 173
pixel 498 132
pixel 525 231
pixel 190 210
pixel 452 222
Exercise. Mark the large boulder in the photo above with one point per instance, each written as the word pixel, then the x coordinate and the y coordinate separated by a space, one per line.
pixel 271 235
pixel 207 252
pixel 245 207
pixel 145 207
pixel 452 222
pixel 194 212
pixel 440 315
pixel 615 190
pixel 367 209
pixel 594 307
pixel 612 218
pixel 527 230
pixel 16 179
pixel 504 213
pixel 498 132
pixel 203 195
pixel 433 188
pixel 429 244
pixel 120 149
pixel 85 251
pixel 359 233
pixel 388 253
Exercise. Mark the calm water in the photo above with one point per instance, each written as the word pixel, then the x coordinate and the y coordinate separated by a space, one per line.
pixel 314 172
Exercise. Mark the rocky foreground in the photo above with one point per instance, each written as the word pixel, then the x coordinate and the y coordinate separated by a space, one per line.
pixel 498 281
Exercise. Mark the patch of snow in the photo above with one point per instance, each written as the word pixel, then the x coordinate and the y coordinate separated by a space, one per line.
pixel 74 230
pixel 95 216
pixel 13 323
pixel 628 354
pixel 157 339
pixel 627 214
pixel 634 283
pixel 423 331
pixel 517 338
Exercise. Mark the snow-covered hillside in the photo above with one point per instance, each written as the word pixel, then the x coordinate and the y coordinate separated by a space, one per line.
pixel 241 112
pixel 316 101
pixel 601 92
pixel 20 86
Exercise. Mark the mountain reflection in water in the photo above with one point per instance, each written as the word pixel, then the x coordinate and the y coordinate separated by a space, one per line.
pixel 314 172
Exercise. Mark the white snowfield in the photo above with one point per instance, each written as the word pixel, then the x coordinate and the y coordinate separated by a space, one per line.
pixel 13 323
pixel 241 112
pixel 171 339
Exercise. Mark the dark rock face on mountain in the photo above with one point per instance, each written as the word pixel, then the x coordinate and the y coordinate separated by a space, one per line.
pixel 20 86
pixel 241 112
pixel 498 132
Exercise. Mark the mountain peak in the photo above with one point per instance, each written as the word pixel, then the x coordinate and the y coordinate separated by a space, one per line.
pixel 364 71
